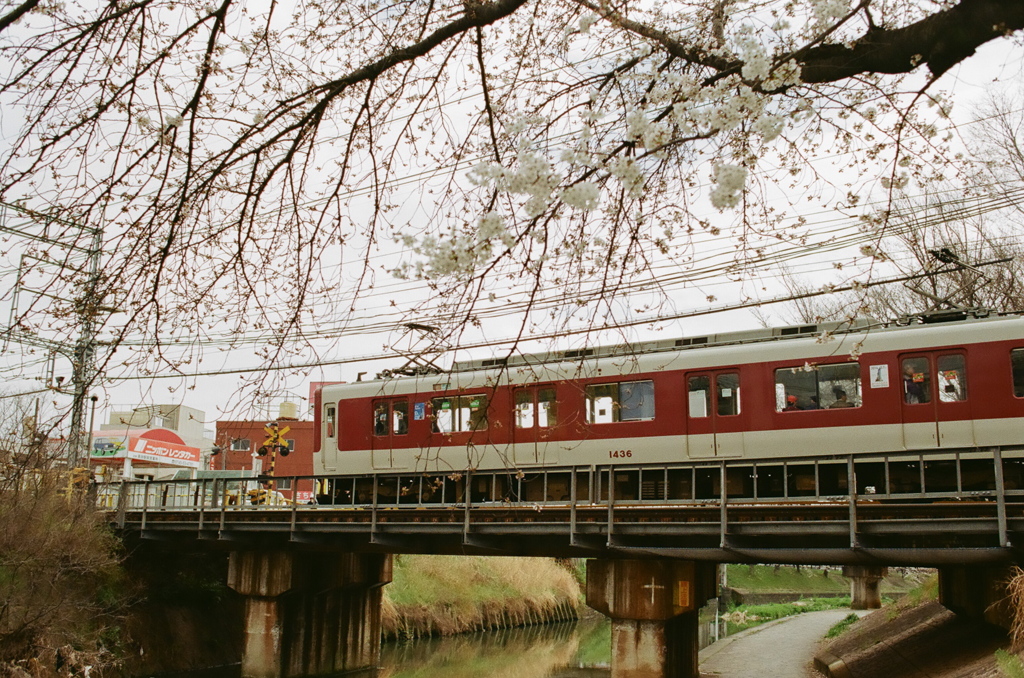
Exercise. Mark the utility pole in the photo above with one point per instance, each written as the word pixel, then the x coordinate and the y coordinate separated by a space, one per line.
pixel 88 305
pixel 84 363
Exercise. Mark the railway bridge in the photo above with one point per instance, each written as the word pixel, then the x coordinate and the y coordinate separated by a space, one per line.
pixel 652 535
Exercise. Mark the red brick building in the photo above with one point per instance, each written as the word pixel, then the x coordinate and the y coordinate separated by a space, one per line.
pixel 240 442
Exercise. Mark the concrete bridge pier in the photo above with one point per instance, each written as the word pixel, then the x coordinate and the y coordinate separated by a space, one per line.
pixel 653 605
pixel 309 614
pixel 865 585
pixel 977 592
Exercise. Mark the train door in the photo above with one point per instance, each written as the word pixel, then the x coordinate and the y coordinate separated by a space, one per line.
pixel 714 428
pixel 534 418
pixel 390 430
pixel 329 437
pixel 936 409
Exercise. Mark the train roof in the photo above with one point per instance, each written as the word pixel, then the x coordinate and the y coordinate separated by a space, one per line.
pixel 771 334
pixel 727 348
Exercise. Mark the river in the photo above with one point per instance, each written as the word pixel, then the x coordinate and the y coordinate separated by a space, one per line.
pixel 568 650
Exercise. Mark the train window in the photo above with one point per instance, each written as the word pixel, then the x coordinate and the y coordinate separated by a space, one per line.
pixel 699 389
pixel 400 417
pixel 839 385
pixel 917 381
pixel 390 417
pixel 525 408
pixel 796 389
pixel 329 419
pixel 459 414
pixel 728 391
pixel 1017 366
pixel 825 386
pixel 535 407
pixel 625 401
pixel 951 373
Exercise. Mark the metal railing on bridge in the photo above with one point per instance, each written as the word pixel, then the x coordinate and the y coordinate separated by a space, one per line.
pixel 935 499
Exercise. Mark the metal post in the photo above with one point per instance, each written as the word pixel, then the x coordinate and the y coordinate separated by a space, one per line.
pixel 469 497
pixel 723 495
pixel 920 468
pixel 997 460
pixel 373 512
pixel 572 508
pixel 122 504
pixel 83 364
pixel 851 488
pixel 611 504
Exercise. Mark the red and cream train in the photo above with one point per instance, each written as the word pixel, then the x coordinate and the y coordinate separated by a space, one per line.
pixel 811 390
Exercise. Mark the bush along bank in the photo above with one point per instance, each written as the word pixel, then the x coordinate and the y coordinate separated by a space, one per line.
pixel 445 595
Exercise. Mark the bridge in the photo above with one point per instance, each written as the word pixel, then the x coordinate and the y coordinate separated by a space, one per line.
pixel 653 536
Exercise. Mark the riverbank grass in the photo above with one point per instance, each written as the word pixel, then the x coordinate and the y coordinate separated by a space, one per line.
pixel 842 625
pixel 743 617
pixel 443 595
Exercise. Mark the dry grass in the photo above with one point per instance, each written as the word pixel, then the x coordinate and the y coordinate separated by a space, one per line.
pixel 443 595
pixel 1015 590
pixel 58 574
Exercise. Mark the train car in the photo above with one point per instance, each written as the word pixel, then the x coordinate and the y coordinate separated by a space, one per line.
pixel 818 391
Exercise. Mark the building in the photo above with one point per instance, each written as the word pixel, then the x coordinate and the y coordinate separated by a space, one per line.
pixel 187 422
pixel 151 441
pixel 241 442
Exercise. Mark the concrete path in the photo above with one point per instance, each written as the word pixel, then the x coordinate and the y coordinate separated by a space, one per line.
pixel 780 649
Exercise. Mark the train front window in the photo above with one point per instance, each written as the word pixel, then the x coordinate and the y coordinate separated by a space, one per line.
pixel 625 401
pixel 1017 367
pixel 699 390
pixel 728 386
pixel 459 414
pixel 951 373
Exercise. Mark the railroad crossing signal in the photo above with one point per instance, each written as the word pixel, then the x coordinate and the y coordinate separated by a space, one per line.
pixel 272 446
pixel 274 443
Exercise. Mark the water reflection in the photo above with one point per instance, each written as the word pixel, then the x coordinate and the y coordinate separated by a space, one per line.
pixel 551 651
pixel 571 650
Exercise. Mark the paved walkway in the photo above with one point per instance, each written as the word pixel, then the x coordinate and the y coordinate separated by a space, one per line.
pixel 780 649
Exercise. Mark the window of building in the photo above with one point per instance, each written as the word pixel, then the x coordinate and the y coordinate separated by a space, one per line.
pixel 1017 367
pixel 536 407
pixel 284 483
pixel 623 401
pixel 459 413
pixel 290 444
pixel 240 444
pixel 822 387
